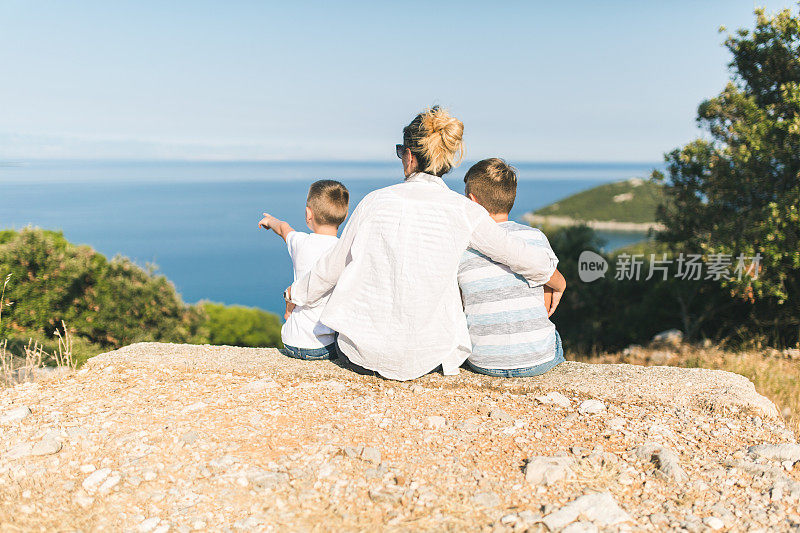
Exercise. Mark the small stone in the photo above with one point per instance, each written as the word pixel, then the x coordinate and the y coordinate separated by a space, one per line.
pixel 509 519
pixel 580 527
pixel 554 398
pixel 20 450
pixel 591 407
pixel 197 406
pixel 150 475
pixel 435 422
pixel 371 455
pixel 95 479
pixel 529 517
pixel 625 479
pixel 260 385
pixel 617 423
pixel 660 520
pixel 353 452
pixel 776 452
pixel 190 437
pixel 87 469
pixel 580 451
pixel 670 337
pixel 83 499
pixel 76 433
pixel 486 499
pixel 109 484
pixel 713 522
pixel 599 507
pixel 665 459
pixel 542 470
pixel 146 526
pixel 15 415
pixel 47 446
pixel 500 415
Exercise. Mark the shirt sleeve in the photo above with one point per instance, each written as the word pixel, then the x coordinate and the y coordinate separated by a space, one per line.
pixel 534 263
pixel 293 242
pixel 309 289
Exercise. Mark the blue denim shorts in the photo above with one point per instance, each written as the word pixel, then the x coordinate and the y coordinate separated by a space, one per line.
pixel 537 370
pixel 310 354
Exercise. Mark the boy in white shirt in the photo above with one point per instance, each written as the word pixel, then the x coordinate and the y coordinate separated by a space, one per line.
pixel 303 335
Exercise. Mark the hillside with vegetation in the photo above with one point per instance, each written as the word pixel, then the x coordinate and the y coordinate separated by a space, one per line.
pixel 634 201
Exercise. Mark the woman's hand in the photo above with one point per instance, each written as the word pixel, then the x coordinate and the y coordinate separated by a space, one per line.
pixel 555 297
pixel 554 289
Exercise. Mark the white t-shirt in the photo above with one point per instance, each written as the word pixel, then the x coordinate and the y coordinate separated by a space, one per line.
pixel 303 328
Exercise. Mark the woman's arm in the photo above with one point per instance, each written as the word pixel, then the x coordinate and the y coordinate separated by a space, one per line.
pixel 535 263
pixel 323 276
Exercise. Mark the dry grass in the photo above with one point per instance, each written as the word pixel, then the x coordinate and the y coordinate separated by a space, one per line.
pixel 15 367
pixel 775 375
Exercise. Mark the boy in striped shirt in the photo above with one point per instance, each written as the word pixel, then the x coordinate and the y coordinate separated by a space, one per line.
pixel 508 320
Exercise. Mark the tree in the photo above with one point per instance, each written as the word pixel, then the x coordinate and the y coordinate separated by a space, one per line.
pixel 738 191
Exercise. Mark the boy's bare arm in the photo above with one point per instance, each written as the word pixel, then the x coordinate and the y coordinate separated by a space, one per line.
pixel 282 228
pixel 558 284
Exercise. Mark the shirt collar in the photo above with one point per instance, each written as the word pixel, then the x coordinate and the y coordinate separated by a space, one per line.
pixel 426 178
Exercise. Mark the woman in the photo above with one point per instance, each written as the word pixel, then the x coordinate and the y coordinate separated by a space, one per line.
pixel 395 300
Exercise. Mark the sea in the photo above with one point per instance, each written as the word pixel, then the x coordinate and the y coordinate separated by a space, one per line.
pixel 197 221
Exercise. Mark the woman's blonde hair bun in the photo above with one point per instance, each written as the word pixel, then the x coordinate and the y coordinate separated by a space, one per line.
pixel 435 138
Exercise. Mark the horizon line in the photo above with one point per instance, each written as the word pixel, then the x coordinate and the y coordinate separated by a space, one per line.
pixel 21 161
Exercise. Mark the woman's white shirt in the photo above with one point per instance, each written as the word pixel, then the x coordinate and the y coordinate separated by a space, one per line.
pixel 395 300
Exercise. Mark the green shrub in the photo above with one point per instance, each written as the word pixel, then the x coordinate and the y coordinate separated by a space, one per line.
pixel 108 304
pixel 237 325
pixel 610 314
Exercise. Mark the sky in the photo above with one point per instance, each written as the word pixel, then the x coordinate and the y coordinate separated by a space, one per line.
pixel 239 80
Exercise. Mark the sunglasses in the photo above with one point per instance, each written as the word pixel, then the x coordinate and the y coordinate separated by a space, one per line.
pixel 400 149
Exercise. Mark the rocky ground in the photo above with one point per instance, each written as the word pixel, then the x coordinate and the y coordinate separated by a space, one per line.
pixel 158 437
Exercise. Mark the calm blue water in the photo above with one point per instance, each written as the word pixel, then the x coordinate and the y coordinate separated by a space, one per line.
pixel 198 221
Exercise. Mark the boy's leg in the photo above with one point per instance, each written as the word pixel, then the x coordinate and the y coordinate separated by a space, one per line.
pixel 494 372
pixel 537 370
pixel 309 354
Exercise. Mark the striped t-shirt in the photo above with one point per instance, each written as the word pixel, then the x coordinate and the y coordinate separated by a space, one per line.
pixel 507 320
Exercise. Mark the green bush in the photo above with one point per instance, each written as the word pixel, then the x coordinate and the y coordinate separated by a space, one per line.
pixel 108 304
pixel 610 314
pixel 236 325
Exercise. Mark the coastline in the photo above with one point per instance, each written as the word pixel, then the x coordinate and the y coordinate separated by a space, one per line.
pixel 603 225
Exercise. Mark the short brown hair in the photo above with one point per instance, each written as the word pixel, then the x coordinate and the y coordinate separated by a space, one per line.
pixel 493 183
pixel 328 200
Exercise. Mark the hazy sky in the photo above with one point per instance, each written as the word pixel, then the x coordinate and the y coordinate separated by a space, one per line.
pixel 533 81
